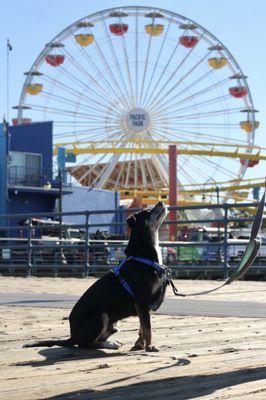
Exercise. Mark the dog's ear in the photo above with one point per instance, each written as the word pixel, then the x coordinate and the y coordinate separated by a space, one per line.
pixel 131 221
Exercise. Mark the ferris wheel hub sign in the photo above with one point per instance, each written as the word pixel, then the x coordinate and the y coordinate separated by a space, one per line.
pixel 137 120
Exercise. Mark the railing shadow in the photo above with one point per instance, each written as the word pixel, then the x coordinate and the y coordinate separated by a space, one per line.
pixel 179 388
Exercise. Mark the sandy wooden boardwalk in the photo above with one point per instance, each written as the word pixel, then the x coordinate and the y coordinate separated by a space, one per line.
pixel 200 357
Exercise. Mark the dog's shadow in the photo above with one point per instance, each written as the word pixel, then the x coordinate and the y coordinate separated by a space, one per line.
pixel 61 354
pixel 56 355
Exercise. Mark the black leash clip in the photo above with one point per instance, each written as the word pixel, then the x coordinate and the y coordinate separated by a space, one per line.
pixel 175 291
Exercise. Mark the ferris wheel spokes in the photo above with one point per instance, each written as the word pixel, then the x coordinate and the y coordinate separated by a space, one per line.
pixel 158 100
pixel 145 71
pixel 194 95
pixel 93 102
pixel 87 76
pixel 128 69
pixel 127 97
pixel 157 88
pixel 156 64
pixel 100 74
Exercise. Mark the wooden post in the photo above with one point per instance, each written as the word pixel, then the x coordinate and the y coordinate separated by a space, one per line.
pixel 172 189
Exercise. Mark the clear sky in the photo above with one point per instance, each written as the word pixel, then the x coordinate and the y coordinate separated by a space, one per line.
pixel 239 24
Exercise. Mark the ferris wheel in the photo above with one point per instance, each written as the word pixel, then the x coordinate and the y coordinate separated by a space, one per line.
pixel 124 83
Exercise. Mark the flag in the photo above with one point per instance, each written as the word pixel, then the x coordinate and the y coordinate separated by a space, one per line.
pixel 9 46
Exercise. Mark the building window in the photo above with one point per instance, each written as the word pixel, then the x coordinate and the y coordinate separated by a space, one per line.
pixel 25 169
pixel 33 163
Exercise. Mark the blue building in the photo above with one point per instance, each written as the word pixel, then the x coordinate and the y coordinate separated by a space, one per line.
pixel 83 198
pixel 26 166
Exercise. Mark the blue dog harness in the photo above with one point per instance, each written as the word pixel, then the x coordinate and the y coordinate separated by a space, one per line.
pixel 163 272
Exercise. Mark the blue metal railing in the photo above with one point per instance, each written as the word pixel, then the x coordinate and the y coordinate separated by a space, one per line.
pixel 25 176
pixel 39 243
pixel 31 177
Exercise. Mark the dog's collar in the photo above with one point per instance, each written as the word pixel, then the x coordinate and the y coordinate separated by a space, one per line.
pixel 117 273
pixel 159 268
pixel 163 271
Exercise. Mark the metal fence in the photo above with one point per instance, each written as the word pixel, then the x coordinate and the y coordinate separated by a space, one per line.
pixel 39 244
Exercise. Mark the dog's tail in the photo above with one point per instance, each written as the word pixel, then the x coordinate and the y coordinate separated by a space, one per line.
pixel 50 343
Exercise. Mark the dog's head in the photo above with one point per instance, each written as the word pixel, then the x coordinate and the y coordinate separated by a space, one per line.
pixel 144 227
pixel 150 218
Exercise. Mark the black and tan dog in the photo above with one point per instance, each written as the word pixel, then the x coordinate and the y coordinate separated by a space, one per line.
pixel 135 287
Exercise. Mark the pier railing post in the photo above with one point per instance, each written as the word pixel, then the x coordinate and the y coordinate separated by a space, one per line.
pixel 86 244
pixel 225 244
pixel 29 248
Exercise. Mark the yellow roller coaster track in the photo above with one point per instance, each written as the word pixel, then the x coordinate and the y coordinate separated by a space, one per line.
pixel 141 147
pixel 229 186
pixel 161 147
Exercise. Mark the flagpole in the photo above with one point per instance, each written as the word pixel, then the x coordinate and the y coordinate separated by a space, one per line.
pixel 8 49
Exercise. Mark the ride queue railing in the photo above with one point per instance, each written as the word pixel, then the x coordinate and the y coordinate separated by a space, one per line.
pixel 24 249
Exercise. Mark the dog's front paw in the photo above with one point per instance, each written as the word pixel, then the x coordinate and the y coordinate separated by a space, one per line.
pixel 108 345
pixel 113 345
pixel 137 347
pixel 151 348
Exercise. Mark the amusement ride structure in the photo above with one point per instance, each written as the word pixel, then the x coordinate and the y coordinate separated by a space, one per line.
pixel 123 84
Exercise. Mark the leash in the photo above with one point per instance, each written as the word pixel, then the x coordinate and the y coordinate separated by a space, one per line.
pixel 247 259
pixel 197 293
pixel 175 291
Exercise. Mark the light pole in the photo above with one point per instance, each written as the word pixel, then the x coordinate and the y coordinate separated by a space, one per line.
pixel 172 154
pixel 217 190
pixel 60 200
